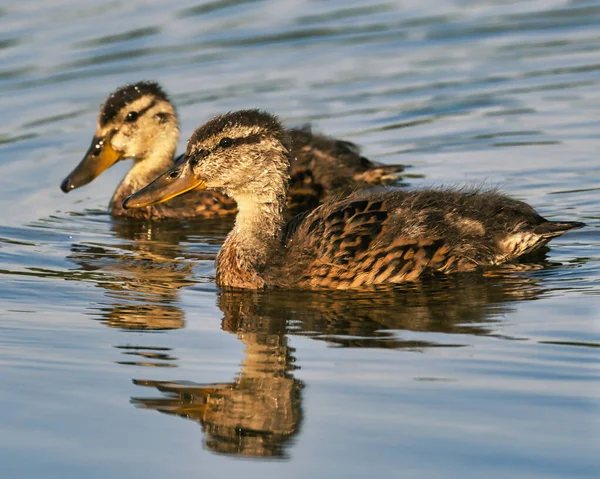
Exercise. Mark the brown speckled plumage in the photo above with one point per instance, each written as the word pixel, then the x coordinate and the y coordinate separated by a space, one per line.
pixel 324 168
pixel 366 239
pixel 321 166
pixel 397 236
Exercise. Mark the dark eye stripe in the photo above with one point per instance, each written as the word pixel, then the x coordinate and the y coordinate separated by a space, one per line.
pixel 246 140
pixel 141 112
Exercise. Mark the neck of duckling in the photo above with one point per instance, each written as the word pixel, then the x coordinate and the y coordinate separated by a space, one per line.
pixel 144 170
pixel 256 235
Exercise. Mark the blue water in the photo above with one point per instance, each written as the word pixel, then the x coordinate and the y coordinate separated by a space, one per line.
pixel 119 357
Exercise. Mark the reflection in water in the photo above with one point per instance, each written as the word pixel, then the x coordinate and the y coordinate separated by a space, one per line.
pixel 459 304
pixel 259 413
pixel 148 352
pixel 142 275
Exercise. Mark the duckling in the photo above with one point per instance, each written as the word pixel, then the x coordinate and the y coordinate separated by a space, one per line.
pixel 368 238
pixel 139 121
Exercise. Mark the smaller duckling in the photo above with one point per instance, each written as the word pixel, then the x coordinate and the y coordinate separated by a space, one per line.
pixel 368 238
pixel 140 122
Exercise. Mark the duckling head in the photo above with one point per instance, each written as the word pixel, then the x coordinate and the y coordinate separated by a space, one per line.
pixel 136 122
pixel 243 153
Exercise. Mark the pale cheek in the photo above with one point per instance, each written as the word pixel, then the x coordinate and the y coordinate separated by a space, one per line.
pixel 124 140
pixel 118 141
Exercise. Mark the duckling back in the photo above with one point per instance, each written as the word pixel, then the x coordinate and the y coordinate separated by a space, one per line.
pixel 323 168
pixel 393 237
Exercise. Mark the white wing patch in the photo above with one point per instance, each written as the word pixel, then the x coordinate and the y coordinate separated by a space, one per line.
pixel 519 244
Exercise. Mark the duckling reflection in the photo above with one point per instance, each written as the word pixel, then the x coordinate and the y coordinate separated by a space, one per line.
pixel 142 269
pixel 455 305
pixel 468 304
pixel 260 412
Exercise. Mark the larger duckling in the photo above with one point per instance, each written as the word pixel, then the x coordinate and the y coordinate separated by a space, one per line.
pixel 139 122
pixel 369 238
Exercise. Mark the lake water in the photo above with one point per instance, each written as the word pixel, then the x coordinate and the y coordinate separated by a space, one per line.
pixel 119 357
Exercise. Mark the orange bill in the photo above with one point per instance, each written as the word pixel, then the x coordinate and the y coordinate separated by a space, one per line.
pixel 100 156
pixel 174 182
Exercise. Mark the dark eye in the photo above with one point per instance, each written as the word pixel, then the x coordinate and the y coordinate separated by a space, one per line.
pixel 174 174
pixel 193 162
pixel 131 116
pixel 226 142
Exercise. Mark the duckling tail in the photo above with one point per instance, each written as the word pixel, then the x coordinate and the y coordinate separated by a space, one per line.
pixel 379 174
pixel 551 229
